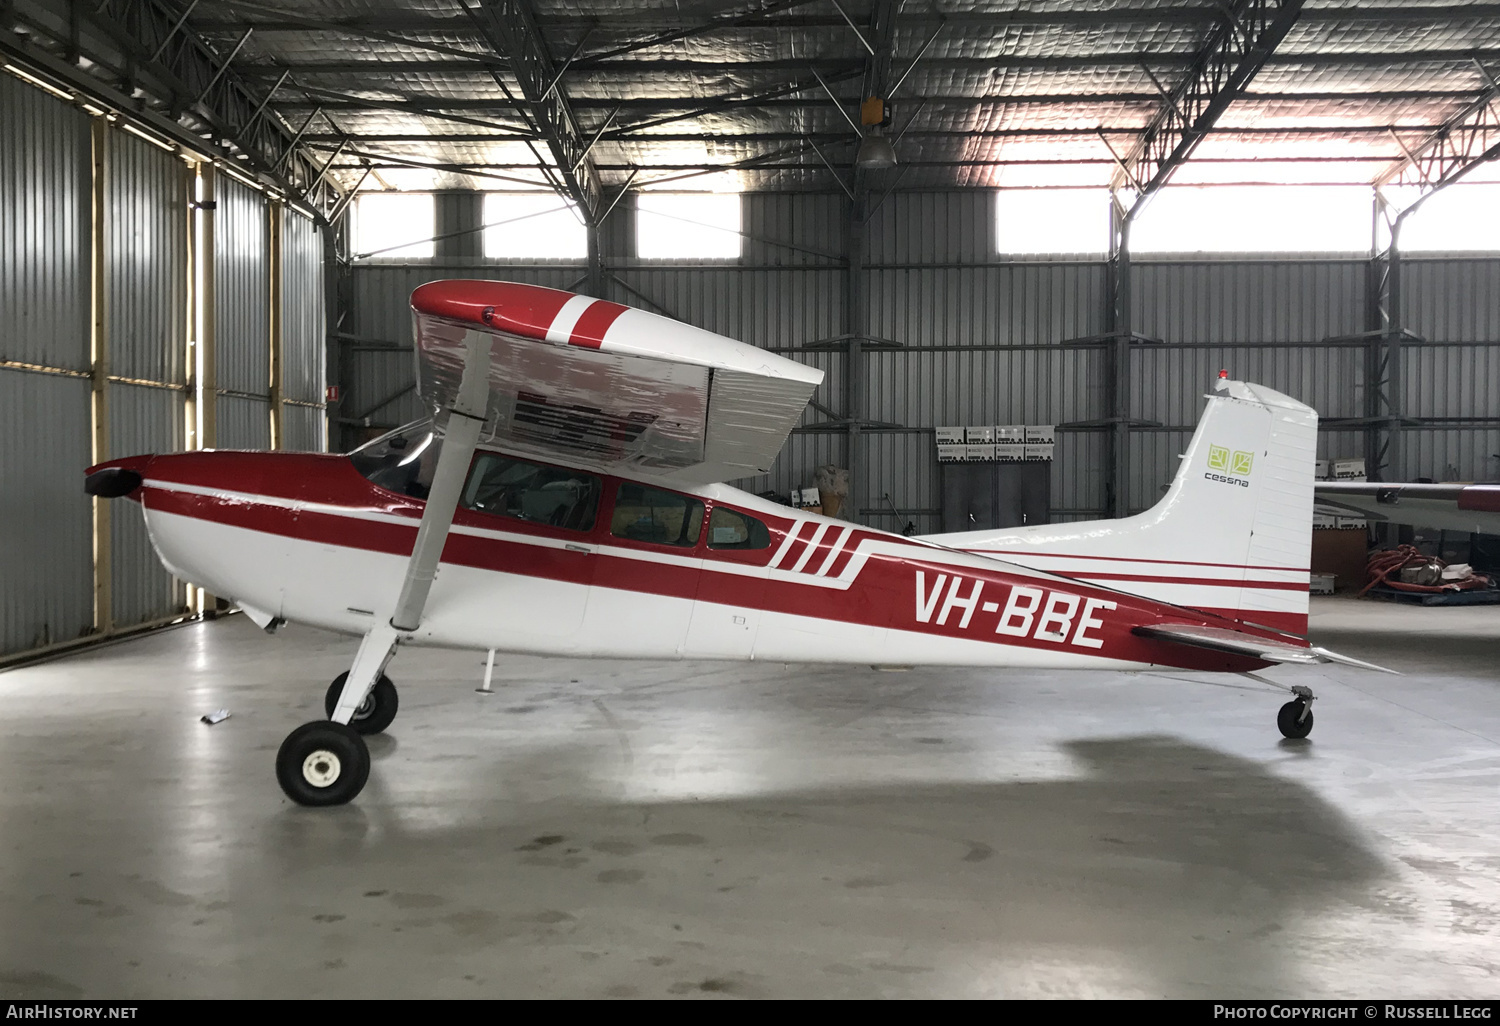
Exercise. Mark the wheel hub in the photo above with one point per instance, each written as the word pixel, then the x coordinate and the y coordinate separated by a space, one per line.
pixel 321 768
pixel 365 708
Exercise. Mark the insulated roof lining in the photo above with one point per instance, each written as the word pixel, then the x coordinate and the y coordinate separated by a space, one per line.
pixel 997 66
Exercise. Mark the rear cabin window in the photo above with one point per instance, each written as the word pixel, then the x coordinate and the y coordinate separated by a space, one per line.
pixel 728 529
pixel 507 487
pixel 652 515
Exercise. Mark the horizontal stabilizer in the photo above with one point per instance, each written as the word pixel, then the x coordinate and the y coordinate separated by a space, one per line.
pixel 1224 639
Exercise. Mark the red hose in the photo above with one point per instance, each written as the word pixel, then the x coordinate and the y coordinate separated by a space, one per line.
pixel 1389 562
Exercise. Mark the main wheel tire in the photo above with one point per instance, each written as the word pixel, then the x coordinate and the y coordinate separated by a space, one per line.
pixel 1295 719
pixel 375 713
pixel 322 763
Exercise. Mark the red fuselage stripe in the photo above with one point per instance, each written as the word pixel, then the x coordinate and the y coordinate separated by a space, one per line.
pixel 883 598
pixel 1042 554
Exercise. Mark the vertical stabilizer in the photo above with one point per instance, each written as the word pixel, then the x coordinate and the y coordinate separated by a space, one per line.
pixel 1233 535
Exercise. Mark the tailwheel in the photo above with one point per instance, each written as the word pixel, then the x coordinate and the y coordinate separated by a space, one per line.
pixel 1295 718
pixel 322 763
pixel 375 713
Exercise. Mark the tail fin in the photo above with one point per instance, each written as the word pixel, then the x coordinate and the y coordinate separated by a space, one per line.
pixel 1233 534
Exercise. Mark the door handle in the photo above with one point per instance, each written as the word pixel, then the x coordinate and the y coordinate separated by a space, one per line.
pixel 577 548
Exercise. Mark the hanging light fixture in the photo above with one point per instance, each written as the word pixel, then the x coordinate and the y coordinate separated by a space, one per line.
pixel 875 150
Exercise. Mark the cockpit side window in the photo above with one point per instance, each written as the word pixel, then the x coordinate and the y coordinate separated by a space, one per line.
pixel 731 529
pixel 402 461
pixel 508 487
pixel 659 517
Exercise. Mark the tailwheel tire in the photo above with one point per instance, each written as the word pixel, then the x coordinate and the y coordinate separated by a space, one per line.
pixel 375 713
pixel 1295 719
pixel 322 763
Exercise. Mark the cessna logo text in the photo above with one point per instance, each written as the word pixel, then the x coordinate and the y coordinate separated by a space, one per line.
pixel 1041 615
pixel 1222 465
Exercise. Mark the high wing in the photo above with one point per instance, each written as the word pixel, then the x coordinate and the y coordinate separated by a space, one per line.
pixel 608 387
pixel 1225 639
pixel 1473 508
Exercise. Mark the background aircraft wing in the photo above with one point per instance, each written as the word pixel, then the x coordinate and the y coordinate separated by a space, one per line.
pixel 594 384
pixel 1473 508
pixel 1225 639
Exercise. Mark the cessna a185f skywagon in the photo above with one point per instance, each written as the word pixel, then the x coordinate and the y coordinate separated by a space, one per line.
pixel 561 501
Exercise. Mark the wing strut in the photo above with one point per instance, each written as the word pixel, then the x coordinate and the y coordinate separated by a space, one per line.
pixel 466 417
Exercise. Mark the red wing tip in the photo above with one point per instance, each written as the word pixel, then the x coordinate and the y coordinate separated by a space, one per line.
pixel 466 299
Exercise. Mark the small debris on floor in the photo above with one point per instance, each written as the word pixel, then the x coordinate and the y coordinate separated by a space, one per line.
pixel 217 716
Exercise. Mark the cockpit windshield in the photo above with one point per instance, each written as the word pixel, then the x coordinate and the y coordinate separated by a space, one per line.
pixel 402 461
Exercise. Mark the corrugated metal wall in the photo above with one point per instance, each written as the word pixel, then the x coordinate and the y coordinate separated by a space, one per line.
pixel 303 349
pixel 242 270
pixel 46 549
pixel 146 279
pixel 47 369
pixel 987 341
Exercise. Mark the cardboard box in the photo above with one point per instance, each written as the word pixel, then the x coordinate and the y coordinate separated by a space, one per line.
pixel 807 499
pixel 950 436
pixel 1038 452
pixel 1320 470
pixel 979 453
pixel 976 435
pixel 1010 452
pixel 1008 433
pixel 1349 470
pixel 1040 434
pixel 1325 522
pixel 952 453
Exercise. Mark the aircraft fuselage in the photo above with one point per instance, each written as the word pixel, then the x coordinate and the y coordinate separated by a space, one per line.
pixel 308 539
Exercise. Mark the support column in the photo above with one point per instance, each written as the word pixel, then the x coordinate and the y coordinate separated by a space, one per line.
pixel 334 372
pixel 104 617
pixel 208 375
pixel 856 316
pixel 1119 325
pixel 1387 334
pixel 594 284
pixel 208 378
pixel 277 214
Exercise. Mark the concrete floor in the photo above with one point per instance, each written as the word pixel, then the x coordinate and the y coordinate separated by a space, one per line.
pixel 632 829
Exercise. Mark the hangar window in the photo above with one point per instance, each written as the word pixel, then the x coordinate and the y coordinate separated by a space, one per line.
pixel 1052 221
pixel 688 225
pixel 731 529
pixel 652 515
pixel 1255 219
pixel 394 226
pixel 534 225
pixel 1464 217
pixel 506 487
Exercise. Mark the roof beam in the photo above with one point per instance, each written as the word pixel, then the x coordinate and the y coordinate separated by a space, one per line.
pixel 1223 68
pixel 1470 137
pixel 424 103
pixel 145 47
pixel 1435 14
pixel 733 138
pixel 1155 59
pixel 510 29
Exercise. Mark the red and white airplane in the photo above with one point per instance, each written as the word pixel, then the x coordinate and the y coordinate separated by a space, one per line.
pixel 561 501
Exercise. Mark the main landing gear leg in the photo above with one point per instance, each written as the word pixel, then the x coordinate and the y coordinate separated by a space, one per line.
pixel 326 762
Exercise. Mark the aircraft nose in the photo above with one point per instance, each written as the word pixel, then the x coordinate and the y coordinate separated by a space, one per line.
pixel 116 478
